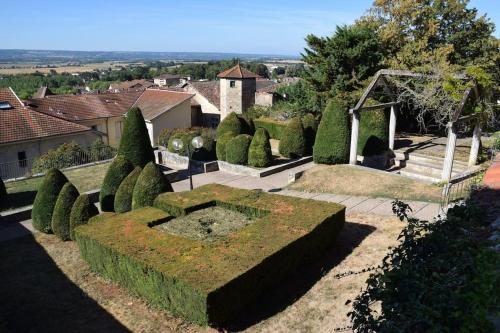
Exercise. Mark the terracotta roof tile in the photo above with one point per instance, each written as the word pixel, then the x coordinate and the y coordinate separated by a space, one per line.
pixel 237 72
pixel 133 84
pixel 208 89
pixel 154 102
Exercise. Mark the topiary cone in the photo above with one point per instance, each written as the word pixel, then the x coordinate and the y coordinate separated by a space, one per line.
pixel 46 198
pixel 310 128
pixel 62 211
pixel 83 209
pixel 150 183
pixel 117 171
pixel 373 133
pixel 259 153
pixel 237 149
pixel 134 143
pixel 293 141
pixel 231 124
pixel 220 145
pixel 123 196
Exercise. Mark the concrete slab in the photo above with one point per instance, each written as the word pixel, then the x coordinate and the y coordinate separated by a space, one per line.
pixel 368 205
pixel 429 212
pixel 384 209
pixel 353 201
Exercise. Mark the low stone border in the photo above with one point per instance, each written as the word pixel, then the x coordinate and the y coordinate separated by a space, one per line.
pixel 181 162
pixel 259 173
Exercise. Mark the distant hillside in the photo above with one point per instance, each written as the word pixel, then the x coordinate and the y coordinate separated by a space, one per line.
pixel 52 57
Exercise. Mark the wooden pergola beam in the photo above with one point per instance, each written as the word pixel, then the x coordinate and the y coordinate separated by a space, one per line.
pixel 374 107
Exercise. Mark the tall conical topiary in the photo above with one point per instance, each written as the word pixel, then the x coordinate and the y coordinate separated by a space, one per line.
pixel 333 137
pixel 293 141
pixel 231 124
pixel 46 198
pixel 373 133
pixel 237 149
pixel 117 171
pixel 135 144
pixel 83 209
pixel 150 183
pixel 123 197
pixel 220 145
pixel 3 194
pixel 310 127
pixel 62 211
pixel 259 153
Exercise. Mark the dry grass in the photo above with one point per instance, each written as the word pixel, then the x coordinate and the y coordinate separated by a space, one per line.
pixel 344 179
pixel 31 68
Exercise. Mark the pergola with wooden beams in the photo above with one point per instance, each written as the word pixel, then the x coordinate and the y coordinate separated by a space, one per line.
pixel 380 78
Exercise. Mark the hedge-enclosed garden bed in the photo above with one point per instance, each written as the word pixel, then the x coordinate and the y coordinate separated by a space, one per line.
pixel 209 282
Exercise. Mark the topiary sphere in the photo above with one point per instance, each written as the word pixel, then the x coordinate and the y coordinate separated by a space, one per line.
pixel 150 183
pixel 259 152
pixel 231 124
pixel 62 211
pixel 220 145
pixel 117 171
pixel 293 141
pixel 46 198
pixel 237 149
pixel 83 209
pixel 123 196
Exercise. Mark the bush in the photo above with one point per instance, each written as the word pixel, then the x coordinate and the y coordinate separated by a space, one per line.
pixel 99 151
pixel 64 156
pixel 135 144
pixel 123 196
pixel 259 153
pixel 62 211
pixel 83 209
pixel 231 124
pixel 150 183
pixel 117 171
pixel 293 141
pixel 310 127
pixel 220 145
pixel 237 149
pixel 373 133
pixel 45 200
pixel 273 127
pixel 206 153
pixel 248 125
pixel 164 137
pixel 3 194
pixel 333 137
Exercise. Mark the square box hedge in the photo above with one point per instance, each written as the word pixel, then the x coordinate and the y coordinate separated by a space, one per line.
pixel 209 282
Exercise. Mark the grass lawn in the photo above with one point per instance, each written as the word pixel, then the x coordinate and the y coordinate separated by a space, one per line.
pixel 347 180
pixel 61 293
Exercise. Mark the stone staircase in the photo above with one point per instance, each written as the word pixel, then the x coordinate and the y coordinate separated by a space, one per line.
pixel 423 167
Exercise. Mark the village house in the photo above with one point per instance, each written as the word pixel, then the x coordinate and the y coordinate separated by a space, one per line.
pixel 170 80
pixel 133 85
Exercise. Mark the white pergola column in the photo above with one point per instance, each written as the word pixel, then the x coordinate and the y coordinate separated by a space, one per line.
pixel 353 156
pixel 450 152
pixel 474 148
pixel 392 126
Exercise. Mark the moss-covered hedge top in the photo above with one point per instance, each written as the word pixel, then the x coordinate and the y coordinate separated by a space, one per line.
pixel 208 266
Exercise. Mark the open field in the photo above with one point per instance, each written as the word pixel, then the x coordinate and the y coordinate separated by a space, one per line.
pixel 32 68
pixel 60 290
pixel 344 179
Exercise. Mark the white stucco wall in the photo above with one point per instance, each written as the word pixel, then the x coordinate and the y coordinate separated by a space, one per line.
pixel 177 117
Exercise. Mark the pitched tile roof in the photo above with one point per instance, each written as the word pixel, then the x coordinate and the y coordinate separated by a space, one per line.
pixel 85 107
pixel 168 76
pixel 22 123
pixel 43 92
pixel 154 102
pixel 237 72
pixel 208 89
pixel 267 86
pixel 133 84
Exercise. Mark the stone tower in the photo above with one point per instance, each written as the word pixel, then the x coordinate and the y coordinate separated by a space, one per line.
pixel 237 90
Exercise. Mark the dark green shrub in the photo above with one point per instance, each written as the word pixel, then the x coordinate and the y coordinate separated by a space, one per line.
pixel 118 170
pixel 150 183
pixel 273 127
pixel 220 145
pixel 83 209
pixel 310 127
pixel 3 194
pixel 99 151
pixel 46 198
pixel 164 136
pixel 135 144
pixel 333 136
pixel 293 141
pixel 231 124
pixel 206 153
pixel 237 149
pixel 123 196
pixel 62 211
pixel 248 125
pixel 259 153
pixel 64 156
pixel 186 136
pixel 373 133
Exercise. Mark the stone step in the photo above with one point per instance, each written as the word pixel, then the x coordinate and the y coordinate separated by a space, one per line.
pixel 411 156
pixel 431 169
pixel 417 176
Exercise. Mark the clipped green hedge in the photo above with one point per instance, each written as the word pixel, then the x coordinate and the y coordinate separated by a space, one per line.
pixel 210 282
pixel 310 125
pixel 134 143
pixel 123 196
pixel 373 133
pixel 231 124
pixel 62 210
pixel 221 143
pixel 248 124
pixel 83 209
pixel 293 140
pixel 259 152
pixel 46 198
pixel 149 184
pixel 274 128
pixel 237 149
pixel 117 171
pixel 333 136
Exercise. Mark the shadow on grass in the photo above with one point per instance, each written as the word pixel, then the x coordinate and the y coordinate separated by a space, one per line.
pixel 37 296
pixel 298 283
pixel 19 199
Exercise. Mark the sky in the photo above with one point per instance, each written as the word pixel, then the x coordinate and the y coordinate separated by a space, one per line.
pixel 255 27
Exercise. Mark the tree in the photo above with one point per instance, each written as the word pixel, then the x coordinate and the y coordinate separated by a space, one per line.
pixel 134 143
pixel 259 152
pixel 149 185
pixel 45 200
pixel 293 141
pixel 83 209
pixel 62 210
pixel 333 138
pixel 117 171
pixel 123 196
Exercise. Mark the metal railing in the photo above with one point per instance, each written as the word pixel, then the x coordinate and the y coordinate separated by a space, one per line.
pixel 459 189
